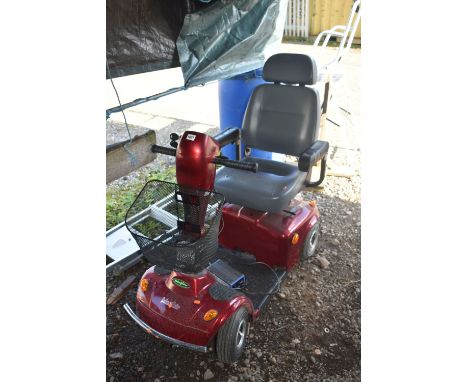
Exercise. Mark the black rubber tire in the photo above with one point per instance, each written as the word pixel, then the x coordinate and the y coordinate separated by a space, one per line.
pixel 309 248
pixel 227 347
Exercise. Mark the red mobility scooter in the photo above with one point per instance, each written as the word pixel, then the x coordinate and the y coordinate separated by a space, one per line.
pixel 221 241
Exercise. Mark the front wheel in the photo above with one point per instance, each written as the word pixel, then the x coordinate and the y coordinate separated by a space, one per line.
pixel 232 337
pixel 310 242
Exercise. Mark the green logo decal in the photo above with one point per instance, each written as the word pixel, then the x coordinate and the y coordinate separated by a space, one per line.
pixel 180 283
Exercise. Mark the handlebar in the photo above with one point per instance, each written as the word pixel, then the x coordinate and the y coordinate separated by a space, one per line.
pixel 163 150
pixel 247 166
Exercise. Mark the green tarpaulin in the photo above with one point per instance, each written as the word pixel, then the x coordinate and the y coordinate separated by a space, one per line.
pixel 210 41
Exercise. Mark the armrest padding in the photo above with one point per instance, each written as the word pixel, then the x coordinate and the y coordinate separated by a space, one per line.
pixel 227 136
pixel 312 155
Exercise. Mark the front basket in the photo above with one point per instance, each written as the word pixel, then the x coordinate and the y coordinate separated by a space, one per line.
pixel 175 226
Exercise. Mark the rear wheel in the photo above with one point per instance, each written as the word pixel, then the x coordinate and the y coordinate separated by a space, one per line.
pixel 310 242
pixel 232 337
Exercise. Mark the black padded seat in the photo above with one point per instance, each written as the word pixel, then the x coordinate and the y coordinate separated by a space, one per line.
pixel 270 189
pixel 281 117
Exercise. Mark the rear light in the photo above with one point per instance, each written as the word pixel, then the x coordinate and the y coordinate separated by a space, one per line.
pixel 144 285
pixel 210 315
pixel 295 239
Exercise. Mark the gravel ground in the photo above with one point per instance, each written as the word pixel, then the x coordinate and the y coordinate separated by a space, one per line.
pixel 310 331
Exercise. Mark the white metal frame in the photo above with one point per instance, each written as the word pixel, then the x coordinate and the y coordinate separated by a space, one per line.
pixel 346 32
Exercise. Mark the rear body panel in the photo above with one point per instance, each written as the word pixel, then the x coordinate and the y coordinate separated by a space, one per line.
pixel 268 236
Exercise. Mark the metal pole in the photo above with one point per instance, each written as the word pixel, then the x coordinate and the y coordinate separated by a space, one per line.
pixel 139 101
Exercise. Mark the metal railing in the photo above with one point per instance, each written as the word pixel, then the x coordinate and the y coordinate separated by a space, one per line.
pixel 345 32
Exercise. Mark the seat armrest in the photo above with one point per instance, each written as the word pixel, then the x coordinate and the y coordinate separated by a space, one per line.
pixel 312 155
pixel 227 136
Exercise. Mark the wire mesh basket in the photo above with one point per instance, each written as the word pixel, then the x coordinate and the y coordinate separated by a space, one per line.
pixel 176 226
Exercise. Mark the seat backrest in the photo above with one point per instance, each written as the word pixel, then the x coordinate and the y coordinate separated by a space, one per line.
pixel 282 117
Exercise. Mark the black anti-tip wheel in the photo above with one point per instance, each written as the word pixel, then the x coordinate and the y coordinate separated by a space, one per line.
pixel 310 242
pixel 232 337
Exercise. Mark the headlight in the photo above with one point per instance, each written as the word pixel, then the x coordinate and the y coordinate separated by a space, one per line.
pixel 144 285
pixel 210 315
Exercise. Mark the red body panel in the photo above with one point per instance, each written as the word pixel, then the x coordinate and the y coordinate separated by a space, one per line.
pixel 193 160
pixel 171 310
pixel 177 311
pixel 268 236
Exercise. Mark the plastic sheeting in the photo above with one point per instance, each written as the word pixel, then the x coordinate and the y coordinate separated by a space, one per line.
pixel 141 34
pixel 229 38
pixel 210 41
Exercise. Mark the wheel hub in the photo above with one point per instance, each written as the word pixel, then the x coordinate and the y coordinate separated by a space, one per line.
pixel 312 243
pixel 241 331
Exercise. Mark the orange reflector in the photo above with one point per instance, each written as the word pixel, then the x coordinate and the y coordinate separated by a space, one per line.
pixel 211 314
pixel 313 203
pixel 144 284
pixel 295 239
pixel 196 302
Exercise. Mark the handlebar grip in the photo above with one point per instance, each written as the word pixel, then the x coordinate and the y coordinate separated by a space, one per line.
pixel 163 150
pixel 247 166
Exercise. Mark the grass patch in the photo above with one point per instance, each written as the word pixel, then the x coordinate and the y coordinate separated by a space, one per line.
pixel 120 198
